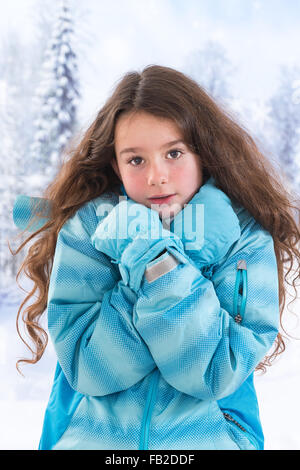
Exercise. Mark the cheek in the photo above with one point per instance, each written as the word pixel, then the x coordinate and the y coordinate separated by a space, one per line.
pixel 134 185
pixel 188 177
pixel 180 176
pixel 193 170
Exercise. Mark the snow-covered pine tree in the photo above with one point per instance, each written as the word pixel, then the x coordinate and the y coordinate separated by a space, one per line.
pixel 254 114
pixel 57 98
pixel 285 116
pixel 211 68
pixel 15 133
pixel 19 173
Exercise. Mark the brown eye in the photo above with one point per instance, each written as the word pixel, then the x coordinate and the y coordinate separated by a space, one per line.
pixel 134 159
pixel 176 152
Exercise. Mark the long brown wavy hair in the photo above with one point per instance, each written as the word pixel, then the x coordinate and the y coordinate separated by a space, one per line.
pixel 227 152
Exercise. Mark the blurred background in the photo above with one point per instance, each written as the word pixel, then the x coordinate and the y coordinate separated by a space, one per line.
pixel 59 61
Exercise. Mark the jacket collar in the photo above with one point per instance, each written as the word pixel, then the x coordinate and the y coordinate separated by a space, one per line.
pixel 221 227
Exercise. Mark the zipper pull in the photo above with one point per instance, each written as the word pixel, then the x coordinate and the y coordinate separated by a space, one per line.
pixel 240 289
pixel 241 264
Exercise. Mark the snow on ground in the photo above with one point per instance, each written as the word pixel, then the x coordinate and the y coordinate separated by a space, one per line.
pixel 23 399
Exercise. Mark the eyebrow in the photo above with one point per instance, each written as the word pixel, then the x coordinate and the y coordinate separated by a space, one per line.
pixel 137 149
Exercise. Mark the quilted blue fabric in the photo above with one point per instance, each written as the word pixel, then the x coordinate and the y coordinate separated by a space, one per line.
pixel 169 365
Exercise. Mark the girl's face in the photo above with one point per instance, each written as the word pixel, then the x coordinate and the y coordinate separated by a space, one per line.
pixel 149 162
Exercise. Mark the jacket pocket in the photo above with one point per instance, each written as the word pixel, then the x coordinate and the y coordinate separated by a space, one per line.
pixel 238 433
pixel 230 430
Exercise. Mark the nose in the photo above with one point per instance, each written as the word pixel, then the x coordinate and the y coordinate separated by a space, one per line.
pixel 157 174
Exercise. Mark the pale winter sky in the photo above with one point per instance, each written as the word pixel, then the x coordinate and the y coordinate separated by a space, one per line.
pixel 118 35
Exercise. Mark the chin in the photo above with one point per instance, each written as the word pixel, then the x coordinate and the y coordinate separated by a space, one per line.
pixel 169 212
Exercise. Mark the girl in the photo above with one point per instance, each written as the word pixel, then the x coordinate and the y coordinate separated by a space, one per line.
pixel 160 260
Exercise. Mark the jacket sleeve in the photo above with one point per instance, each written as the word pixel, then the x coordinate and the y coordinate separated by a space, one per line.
pixel 90 316
pixel 189 323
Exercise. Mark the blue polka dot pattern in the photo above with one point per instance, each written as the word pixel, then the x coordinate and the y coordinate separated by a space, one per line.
pixel 166 367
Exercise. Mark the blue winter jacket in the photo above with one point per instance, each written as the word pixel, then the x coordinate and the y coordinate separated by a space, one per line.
pixel 168 367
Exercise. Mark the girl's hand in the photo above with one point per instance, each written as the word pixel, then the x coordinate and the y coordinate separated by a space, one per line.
pixel 128 222
pixel 134 236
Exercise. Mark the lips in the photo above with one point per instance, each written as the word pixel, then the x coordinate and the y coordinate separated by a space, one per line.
pixel 161 199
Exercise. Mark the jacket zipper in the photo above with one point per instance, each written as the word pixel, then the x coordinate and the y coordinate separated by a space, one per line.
pixel 250 437
pixel 240 291
pixel 150 401
pixel 239 305
pixel 230 418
